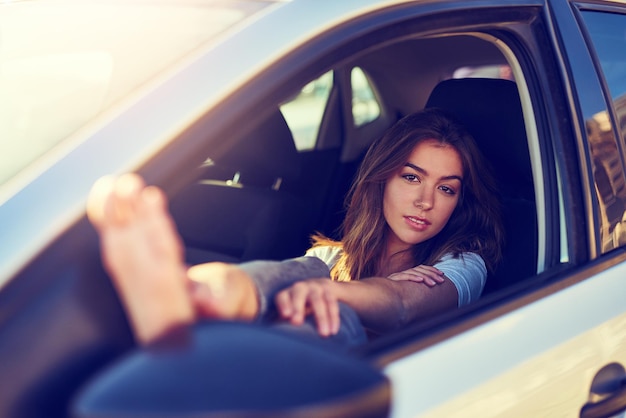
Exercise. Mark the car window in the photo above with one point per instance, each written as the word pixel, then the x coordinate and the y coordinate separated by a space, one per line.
pixel 503 71
pixel 52 82
pixel 608 38
pixel 365 106
pixel 305 111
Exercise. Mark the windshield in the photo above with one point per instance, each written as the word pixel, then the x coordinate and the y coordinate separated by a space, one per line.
pixel 63 63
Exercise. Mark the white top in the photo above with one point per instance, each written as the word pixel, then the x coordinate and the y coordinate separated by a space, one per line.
pixel 467 272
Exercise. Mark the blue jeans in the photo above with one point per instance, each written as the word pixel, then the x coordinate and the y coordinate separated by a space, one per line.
pixel 271 277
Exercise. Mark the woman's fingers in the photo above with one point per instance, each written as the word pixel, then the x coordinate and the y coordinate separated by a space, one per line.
pixel 319 309
pixel 283 304
pixel 333 311
pixel 325 309
pixel 428 275
pixel 312 297
pixel 291 304
pixel 299 296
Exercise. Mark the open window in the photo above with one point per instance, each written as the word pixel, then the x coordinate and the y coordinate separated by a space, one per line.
pixel 305 111
pixel 281 185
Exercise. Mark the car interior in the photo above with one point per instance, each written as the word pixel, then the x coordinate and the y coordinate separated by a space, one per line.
pixel 265 196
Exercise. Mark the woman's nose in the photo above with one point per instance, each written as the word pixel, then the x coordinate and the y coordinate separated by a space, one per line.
pixel 424 200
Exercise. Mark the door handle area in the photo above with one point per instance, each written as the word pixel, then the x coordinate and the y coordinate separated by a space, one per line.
pixel 608 393
pixel 609 406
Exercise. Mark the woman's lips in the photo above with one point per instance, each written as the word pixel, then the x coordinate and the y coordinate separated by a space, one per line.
pixel 419 224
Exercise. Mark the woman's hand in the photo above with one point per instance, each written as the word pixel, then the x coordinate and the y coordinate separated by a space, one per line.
pixel 428 275
pixel 316 297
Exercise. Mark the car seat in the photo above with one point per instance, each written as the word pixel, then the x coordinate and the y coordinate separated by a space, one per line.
pixel 491 111
pixel 243 207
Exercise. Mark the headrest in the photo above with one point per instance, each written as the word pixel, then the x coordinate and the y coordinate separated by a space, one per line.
pixel 265 154
pixel 491 111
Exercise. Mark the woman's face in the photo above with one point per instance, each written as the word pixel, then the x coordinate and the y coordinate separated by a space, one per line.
pixel 420 198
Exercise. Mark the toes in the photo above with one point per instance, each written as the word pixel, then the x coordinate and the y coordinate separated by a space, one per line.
pixel 115 201
pixel 125 203
pixel 98 198
pixel 153 200
pixel 151 211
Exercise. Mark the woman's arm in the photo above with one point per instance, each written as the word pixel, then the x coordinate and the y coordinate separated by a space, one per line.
pixel 385 304
pixel 465 277
pixel 382 304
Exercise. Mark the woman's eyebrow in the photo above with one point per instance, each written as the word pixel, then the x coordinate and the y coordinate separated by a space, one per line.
pixel 424 172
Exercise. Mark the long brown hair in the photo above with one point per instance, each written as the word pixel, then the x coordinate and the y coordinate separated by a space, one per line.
pixel 475 225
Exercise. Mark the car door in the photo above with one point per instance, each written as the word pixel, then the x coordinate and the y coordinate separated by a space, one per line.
pixel 556 348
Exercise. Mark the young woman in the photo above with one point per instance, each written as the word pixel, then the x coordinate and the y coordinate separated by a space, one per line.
pixel 421 231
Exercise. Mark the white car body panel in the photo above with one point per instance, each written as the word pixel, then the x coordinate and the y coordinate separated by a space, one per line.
pixel 542 357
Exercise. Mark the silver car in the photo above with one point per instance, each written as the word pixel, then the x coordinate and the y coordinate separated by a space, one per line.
pixel 253 115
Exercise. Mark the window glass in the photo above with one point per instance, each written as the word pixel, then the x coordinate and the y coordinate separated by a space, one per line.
pixel 305 111
pixel 365 107
pixel 485 71
pixel 608 34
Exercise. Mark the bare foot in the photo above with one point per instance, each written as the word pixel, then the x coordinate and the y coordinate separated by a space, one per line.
pixel 220 290
pixel 142 252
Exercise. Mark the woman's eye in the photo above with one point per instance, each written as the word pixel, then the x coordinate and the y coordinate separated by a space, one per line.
pixel 447 190
pixel 411 177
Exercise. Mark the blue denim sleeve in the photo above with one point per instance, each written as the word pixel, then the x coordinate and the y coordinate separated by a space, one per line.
pixel 270 277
